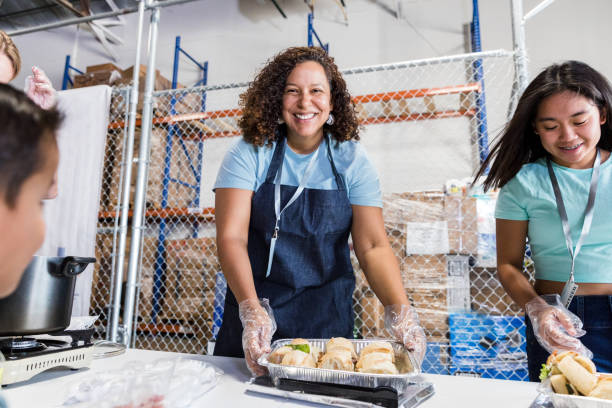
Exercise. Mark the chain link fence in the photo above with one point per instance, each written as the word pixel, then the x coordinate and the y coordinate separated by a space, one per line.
pixel 107 238
pixel 426 126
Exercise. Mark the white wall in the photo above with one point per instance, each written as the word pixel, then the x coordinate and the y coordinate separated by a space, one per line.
pixel 238 36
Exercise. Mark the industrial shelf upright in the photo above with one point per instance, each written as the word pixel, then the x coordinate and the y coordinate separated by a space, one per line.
pixel 66 77
pixel 312 32
pixel 175 132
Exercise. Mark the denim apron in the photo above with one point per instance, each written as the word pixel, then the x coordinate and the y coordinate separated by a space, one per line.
pixel 311 280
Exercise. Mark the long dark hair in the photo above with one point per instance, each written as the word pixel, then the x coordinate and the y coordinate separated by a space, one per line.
pixel 262 102
pixel 518 144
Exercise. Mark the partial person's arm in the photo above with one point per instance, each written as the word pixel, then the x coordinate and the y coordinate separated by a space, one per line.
pixel 555 327
pixel 375 255
pixel 380 266
pixel 511 236
pixel 232 213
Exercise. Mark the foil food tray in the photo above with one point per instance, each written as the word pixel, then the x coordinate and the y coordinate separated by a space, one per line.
pixel 403 360
pixel 573 401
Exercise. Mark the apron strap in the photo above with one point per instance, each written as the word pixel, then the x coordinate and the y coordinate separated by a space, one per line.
pixel 279 153
pixel 339 181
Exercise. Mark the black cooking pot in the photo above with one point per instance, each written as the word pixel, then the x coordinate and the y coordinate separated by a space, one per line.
pixel 42 303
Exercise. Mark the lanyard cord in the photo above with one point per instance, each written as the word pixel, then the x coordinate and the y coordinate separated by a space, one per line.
pixel 277 198
pixel 588 213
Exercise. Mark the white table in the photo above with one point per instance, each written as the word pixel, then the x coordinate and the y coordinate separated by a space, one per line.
pixel 49 389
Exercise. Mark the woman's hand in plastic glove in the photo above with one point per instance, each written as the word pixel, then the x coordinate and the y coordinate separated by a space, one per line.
pixel 403 322
pixel 555 327
pixel 39 88
pixel 258 326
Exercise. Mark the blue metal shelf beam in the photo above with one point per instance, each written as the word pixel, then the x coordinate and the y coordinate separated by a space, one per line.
pixel 66 78
pixel 174 131
pixel 311 32
pixel 477 72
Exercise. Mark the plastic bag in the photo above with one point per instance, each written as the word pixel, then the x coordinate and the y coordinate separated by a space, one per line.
pixel 163 383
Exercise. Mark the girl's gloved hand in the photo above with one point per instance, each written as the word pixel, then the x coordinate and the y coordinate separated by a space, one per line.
pixel 555 327
pixel 258 326
pixel 403 322
pixel 39 88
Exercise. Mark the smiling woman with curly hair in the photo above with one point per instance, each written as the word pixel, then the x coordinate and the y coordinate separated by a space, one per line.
pixel 262 102
pixel 288 195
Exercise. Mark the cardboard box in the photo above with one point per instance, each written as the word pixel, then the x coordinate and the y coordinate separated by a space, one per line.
pixel 461 217
pixel 160 82
pixel 179 195
pixel 489 296
pixel 110 77
pixel 415 223
pixel 102 275
pixel 108 66
pixel 191 271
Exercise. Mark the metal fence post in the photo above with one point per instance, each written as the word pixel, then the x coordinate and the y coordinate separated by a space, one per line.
pixel 127 177
pixel 143 162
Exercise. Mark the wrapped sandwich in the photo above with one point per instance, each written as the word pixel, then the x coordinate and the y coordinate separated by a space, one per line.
pixel 573 374
pixel 297 353
pixel 377 358
pixel 340 343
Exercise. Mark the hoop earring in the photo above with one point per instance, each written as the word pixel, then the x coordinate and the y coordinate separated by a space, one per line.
pixel 280 121
pixel 330 120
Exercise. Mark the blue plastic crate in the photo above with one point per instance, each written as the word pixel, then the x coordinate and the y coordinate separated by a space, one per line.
pixel 436 359
pixel 518 372
pixel 488 346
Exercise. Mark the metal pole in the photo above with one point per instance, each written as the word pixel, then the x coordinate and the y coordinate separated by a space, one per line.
pixel 143 164
pixel 478 75
pixel 520 51
pixel 127 177
pixel 127 10
pixel 66 78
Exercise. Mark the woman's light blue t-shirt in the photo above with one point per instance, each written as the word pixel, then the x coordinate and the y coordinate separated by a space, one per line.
pixel 245 166
pixel 529 196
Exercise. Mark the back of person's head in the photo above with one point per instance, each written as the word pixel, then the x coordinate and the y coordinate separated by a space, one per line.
pixel 519 144
pixel 25 131
pixel 9 49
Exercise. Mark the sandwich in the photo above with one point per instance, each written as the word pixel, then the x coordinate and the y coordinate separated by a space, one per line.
pixel 376 363
pixel 298 358
pixel 573 374
pixel 378 347
pixel 340 343
pixel 338 359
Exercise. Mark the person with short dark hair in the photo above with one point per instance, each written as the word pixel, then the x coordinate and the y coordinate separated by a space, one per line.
pixel 28 161
pixel 288 195
pixel 552 162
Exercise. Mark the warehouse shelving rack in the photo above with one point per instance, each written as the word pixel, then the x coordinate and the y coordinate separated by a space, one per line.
pixel 429 94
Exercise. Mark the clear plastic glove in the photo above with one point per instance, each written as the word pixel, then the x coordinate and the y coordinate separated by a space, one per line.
pixel 403 322
pixel 39 88
pixel 555 327
pixel 258 326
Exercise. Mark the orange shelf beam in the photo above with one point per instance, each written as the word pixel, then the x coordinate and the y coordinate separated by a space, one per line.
pixel 377 97
pixel 419 116
pixel 417 93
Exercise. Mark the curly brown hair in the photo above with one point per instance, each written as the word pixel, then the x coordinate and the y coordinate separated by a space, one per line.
pixel 262 102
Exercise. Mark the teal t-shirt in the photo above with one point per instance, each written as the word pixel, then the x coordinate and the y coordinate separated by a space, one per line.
pixel 529 196
pixel 245 166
